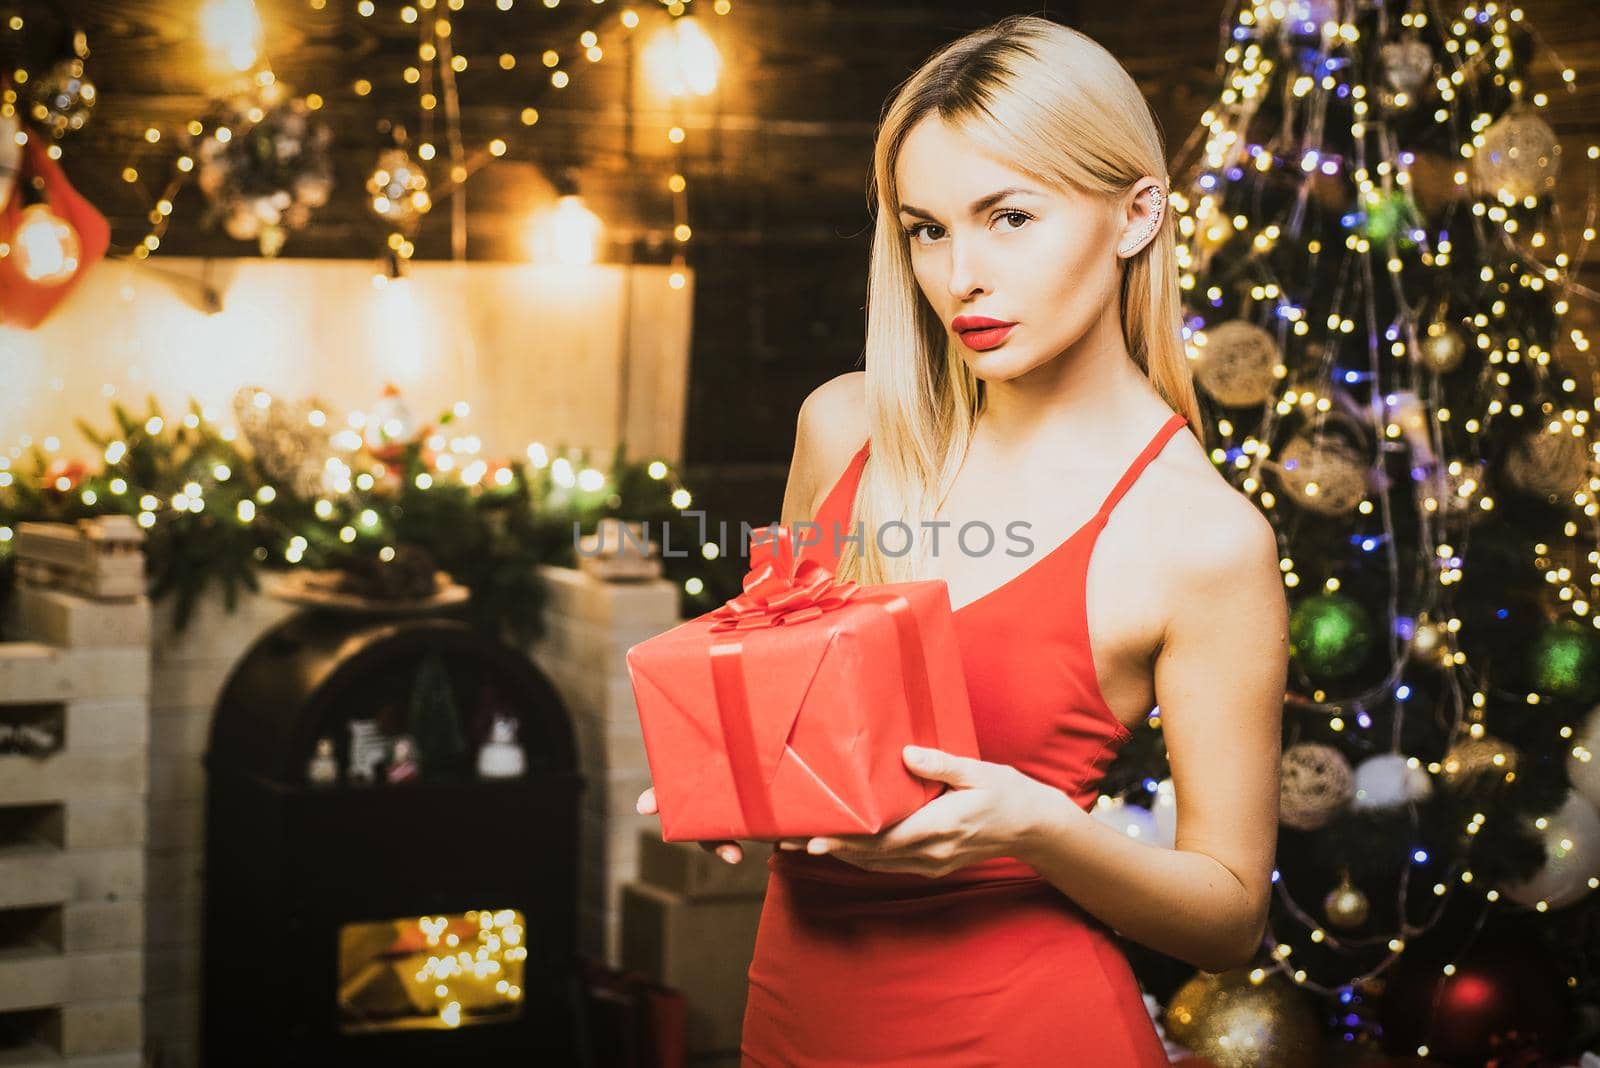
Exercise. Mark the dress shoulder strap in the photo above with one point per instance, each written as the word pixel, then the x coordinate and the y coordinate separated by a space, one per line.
pixel 848 478
pixel 1140 462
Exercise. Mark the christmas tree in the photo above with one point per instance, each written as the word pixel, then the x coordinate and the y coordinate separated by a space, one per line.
pixel 434 721
pixel 1377 282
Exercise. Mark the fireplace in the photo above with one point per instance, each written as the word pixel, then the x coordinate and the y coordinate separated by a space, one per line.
pixel 353 920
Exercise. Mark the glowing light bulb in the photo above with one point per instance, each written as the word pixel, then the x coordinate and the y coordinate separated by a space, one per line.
pixel 231 31
pixel 45 246
pixel 567 233
pixel 682 59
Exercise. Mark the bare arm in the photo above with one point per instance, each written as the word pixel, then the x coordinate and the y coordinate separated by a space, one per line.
pixel 1219 678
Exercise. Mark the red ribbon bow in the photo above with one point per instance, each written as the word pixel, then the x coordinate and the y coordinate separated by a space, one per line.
pixel 780 587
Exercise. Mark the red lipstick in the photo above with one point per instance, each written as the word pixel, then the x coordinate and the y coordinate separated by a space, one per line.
pixel 981 332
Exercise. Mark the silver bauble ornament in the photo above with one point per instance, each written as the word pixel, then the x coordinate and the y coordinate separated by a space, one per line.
pixel 62 97
pixel 289 447
pixel 1389 780
pixel 270 170
pixel 1520 156
pixel 1583 758
pixel 1572 856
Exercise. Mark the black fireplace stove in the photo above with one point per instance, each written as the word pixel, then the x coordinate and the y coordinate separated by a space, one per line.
pixel 429 921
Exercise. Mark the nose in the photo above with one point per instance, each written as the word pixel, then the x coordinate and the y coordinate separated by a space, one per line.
pixel 966 269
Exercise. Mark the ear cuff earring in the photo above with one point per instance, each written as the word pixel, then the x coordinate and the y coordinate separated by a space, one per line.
pixel 1157 202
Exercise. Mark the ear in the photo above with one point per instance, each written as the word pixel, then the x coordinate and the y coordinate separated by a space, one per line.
pixel 1144 208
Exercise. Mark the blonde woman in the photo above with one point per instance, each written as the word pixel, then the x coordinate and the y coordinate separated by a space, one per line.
pixel 1025 376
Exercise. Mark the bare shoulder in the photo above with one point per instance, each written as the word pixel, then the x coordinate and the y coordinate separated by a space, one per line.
pixel 832 425
pixel 1216 536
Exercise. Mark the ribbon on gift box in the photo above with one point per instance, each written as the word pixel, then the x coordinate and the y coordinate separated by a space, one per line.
pixel 776 594
pixel 780 587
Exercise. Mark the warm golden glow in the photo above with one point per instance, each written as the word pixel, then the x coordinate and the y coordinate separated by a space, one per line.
pixel 431 971
pixel 681 60
pixel 45 246
pixel 567 233
pixel 231 31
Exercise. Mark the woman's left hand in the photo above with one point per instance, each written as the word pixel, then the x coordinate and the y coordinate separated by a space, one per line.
pixel 988 812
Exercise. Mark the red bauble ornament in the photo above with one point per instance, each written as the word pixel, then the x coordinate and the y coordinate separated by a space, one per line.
pixel 1506 997
pixel 25 302
pixel 73 471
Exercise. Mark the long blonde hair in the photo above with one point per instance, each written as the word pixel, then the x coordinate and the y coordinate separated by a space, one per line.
pixel 1057 106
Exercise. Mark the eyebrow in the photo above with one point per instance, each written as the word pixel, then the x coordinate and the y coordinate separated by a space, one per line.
pixel 977 205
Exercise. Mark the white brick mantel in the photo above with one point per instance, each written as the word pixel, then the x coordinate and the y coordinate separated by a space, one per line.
pixel 124 863
pixel 73 879
pixel 589 625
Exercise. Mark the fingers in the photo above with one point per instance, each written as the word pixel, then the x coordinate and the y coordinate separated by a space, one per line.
pixel 727 850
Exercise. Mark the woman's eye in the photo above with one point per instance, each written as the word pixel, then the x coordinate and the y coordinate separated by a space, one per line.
pixel 915 230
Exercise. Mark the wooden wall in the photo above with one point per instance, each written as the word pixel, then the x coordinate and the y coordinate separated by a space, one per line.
pixel 776 160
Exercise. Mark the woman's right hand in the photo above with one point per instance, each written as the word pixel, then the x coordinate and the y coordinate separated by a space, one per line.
pixel 727 849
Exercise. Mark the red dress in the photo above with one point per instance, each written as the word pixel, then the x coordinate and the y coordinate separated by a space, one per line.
pixel 991 964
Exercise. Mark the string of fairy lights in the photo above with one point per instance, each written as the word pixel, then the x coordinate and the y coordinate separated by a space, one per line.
pixel 1477 43
pixel 458 456
pixel 681 59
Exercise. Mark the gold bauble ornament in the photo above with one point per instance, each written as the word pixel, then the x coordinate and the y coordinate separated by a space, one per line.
pixel 1474 761
pixel 1430 641
pixel 1315 785
pixel 1237 364
pixel 1345 906
pixel 1237 1023
pixel 1549 464
pixel 1457 490
pixel 1443 348
pixel 1329 479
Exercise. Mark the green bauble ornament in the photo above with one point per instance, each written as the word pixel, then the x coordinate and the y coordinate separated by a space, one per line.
pixel 1566 662
pixel 1331 635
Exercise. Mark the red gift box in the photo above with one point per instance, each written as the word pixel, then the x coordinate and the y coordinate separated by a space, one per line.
pixel 782 713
